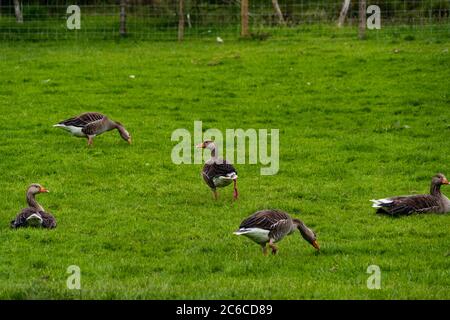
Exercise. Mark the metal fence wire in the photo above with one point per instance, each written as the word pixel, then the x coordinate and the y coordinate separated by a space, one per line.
pixel 209 19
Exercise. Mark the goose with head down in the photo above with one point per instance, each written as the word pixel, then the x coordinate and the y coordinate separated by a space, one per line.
pixel 435 202
pixel 91 124
pixel 270 226
pixel 34 215
pixel 217 172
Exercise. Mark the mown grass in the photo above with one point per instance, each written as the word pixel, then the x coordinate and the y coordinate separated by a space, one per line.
pixel 357 120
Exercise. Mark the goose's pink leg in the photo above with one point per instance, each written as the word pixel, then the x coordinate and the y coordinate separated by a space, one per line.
pixel 215 194
pixel 235 192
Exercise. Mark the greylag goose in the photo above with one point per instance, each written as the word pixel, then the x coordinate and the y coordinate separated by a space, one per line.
pixel 92 124
pixel 435 202
pixel 217 172
pixel 34 215
pixel 270 226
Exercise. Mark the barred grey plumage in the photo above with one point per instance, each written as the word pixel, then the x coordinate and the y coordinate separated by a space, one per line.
pixel 91 124
pixel 435 202
pixel 270 226
pixel 217 172
pixel 35 210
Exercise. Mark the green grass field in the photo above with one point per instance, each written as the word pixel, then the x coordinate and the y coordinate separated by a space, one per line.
pixel 357 119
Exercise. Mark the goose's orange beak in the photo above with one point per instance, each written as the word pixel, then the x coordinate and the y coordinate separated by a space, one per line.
pixel 315 244
pixel 42 189
pixel 129 140
pixel 445 181
pixel 200 145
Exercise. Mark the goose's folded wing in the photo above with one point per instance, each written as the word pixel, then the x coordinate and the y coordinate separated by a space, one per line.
pixel 48 220
pixel 94 127
pixel 208 175
pixel 279 229
pixel 22 216
pixel 267 220
pixel 218 168
pixel 221 169
pixel 83 119
pixel 410 204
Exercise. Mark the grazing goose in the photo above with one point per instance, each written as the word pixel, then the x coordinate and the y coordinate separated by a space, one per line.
pixel 34 215
pixel 92 124
pixel 270 226
pixel 217 172
pixel 435 202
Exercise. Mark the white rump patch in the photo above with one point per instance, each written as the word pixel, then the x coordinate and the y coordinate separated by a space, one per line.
pixel 377 203
pixel 76 131
pixel 34 220
pixel 223 181
pixel 256 234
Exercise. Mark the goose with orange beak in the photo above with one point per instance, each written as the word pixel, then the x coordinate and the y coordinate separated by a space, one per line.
pixel 34 215
pixel 270 226
pixel 217 172
pixel 91 124
pixel 435 202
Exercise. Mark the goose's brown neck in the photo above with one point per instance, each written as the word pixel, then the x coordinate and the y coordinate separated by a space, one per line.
pixel 31 200
pixel 111 125
pixel 435 189
pixel 306 233
pixel 213 152
pixel 299 225
pixel 117 126
pixel 122 131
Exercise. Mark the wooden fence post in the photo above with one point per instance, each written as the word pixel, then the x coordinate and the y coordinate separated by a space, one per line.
pixel 362 19
pixel 244 18
pixel 123 18
pixel 180 20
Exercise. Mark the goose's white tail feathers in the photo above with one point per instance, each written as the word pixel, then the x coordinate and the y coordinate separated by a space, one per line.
pixel 223 181
pixel 378 203
pixel 242 231
pixel 76 131
pixel 34 220
pixel 230 176
pixel 256 234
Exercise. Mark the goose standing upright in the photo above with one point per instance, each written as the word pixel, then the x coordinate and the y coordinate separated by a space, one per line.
pixel 270 226
pixel 435 202
pixel 92 124
pixel 34 215
pixel 217 172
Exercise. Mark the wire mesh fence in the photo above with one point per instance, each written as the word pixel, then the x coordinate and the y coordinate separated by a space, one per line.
pixel 209 19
